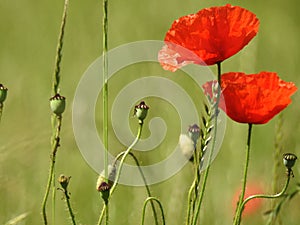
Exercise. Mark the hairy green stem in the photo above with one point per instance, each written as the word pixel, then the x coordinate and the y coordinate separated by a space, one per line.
pixel 67 198
pixel 205 176
pixel 241 208
pixel 56 129
pixel 54 148
pixel 237 219
pixel 160 206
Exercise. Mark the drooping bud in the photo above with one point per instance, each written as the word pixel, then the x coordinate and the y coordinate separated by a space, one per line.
pixel 3 93
pixel 58 104
pixel 140 111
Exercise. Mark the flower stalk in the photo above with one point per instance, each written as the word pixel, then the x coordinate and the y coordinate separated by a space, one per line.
pixel 160 207
pixel 205 176
pixel 55 104
pixel 244 182
pixel 242 205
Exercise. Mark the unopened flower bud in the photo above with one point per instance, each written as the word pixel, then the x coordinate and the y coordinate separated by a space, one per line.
pixel 64 181
pixel 289 160
pixel 58 104
pixel 3 93
pixel 194 133
pixel 140 111
pixel 102 185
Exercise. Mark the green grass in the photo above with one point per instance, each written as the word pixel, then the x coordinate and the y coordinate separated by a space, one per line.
pixel 28 40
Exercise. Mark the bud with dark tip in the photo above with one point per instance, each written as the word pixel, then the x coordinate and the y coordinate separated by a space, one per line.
pixel 64 181
pixel 140 111
pixel 104 186
pixel 194 133
pixel 3 93
pixel 289 160
pixel 58 104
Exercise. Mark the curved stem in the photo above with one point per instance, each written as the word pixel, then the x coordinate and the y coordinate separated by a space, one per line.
pixel 123 158
pixel 160 206
pixel 205 176
pixel 280 194
pixel 44 214
pixel 144 179
pixel 241 199
pixel 105 206
pixel 190 202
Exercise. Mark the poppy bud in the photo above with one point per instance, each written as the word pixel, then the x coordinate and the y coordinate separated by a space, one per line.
pixel 3 93
pixel 194 133
pixel 58 104
pixel 64 181
pixel 289 160
pixel 140 111
pixel 102 185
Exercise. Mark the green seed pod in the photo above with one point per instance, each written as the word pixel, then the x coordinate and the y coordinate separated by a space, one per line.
pixel 3 93
pixel 64 181
pixel 58 104
pixel 140 111
pixel 289 160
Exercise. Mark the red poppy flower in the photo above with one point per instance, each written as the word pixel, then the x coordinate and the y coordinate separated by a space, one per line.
pixel 254 98
pixel 208 37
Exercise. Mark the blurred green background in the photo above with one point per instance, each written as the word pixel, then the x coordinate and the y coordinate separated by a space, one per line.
pixel 29 31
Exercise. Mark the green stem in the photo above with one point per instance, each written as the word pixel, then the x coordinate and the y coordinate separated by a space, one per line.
pixel 280 194
pixel 205 176
pixel 54 148
pixel 102 214
pixel 67 197
pixel 160 206
pixel 53 197
pixel 1 109
pixel 104 209
pixel 124 157
pixel 241 199
pixel 144 179
pixel 276 209
pixel 47 191
pixel 190 203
